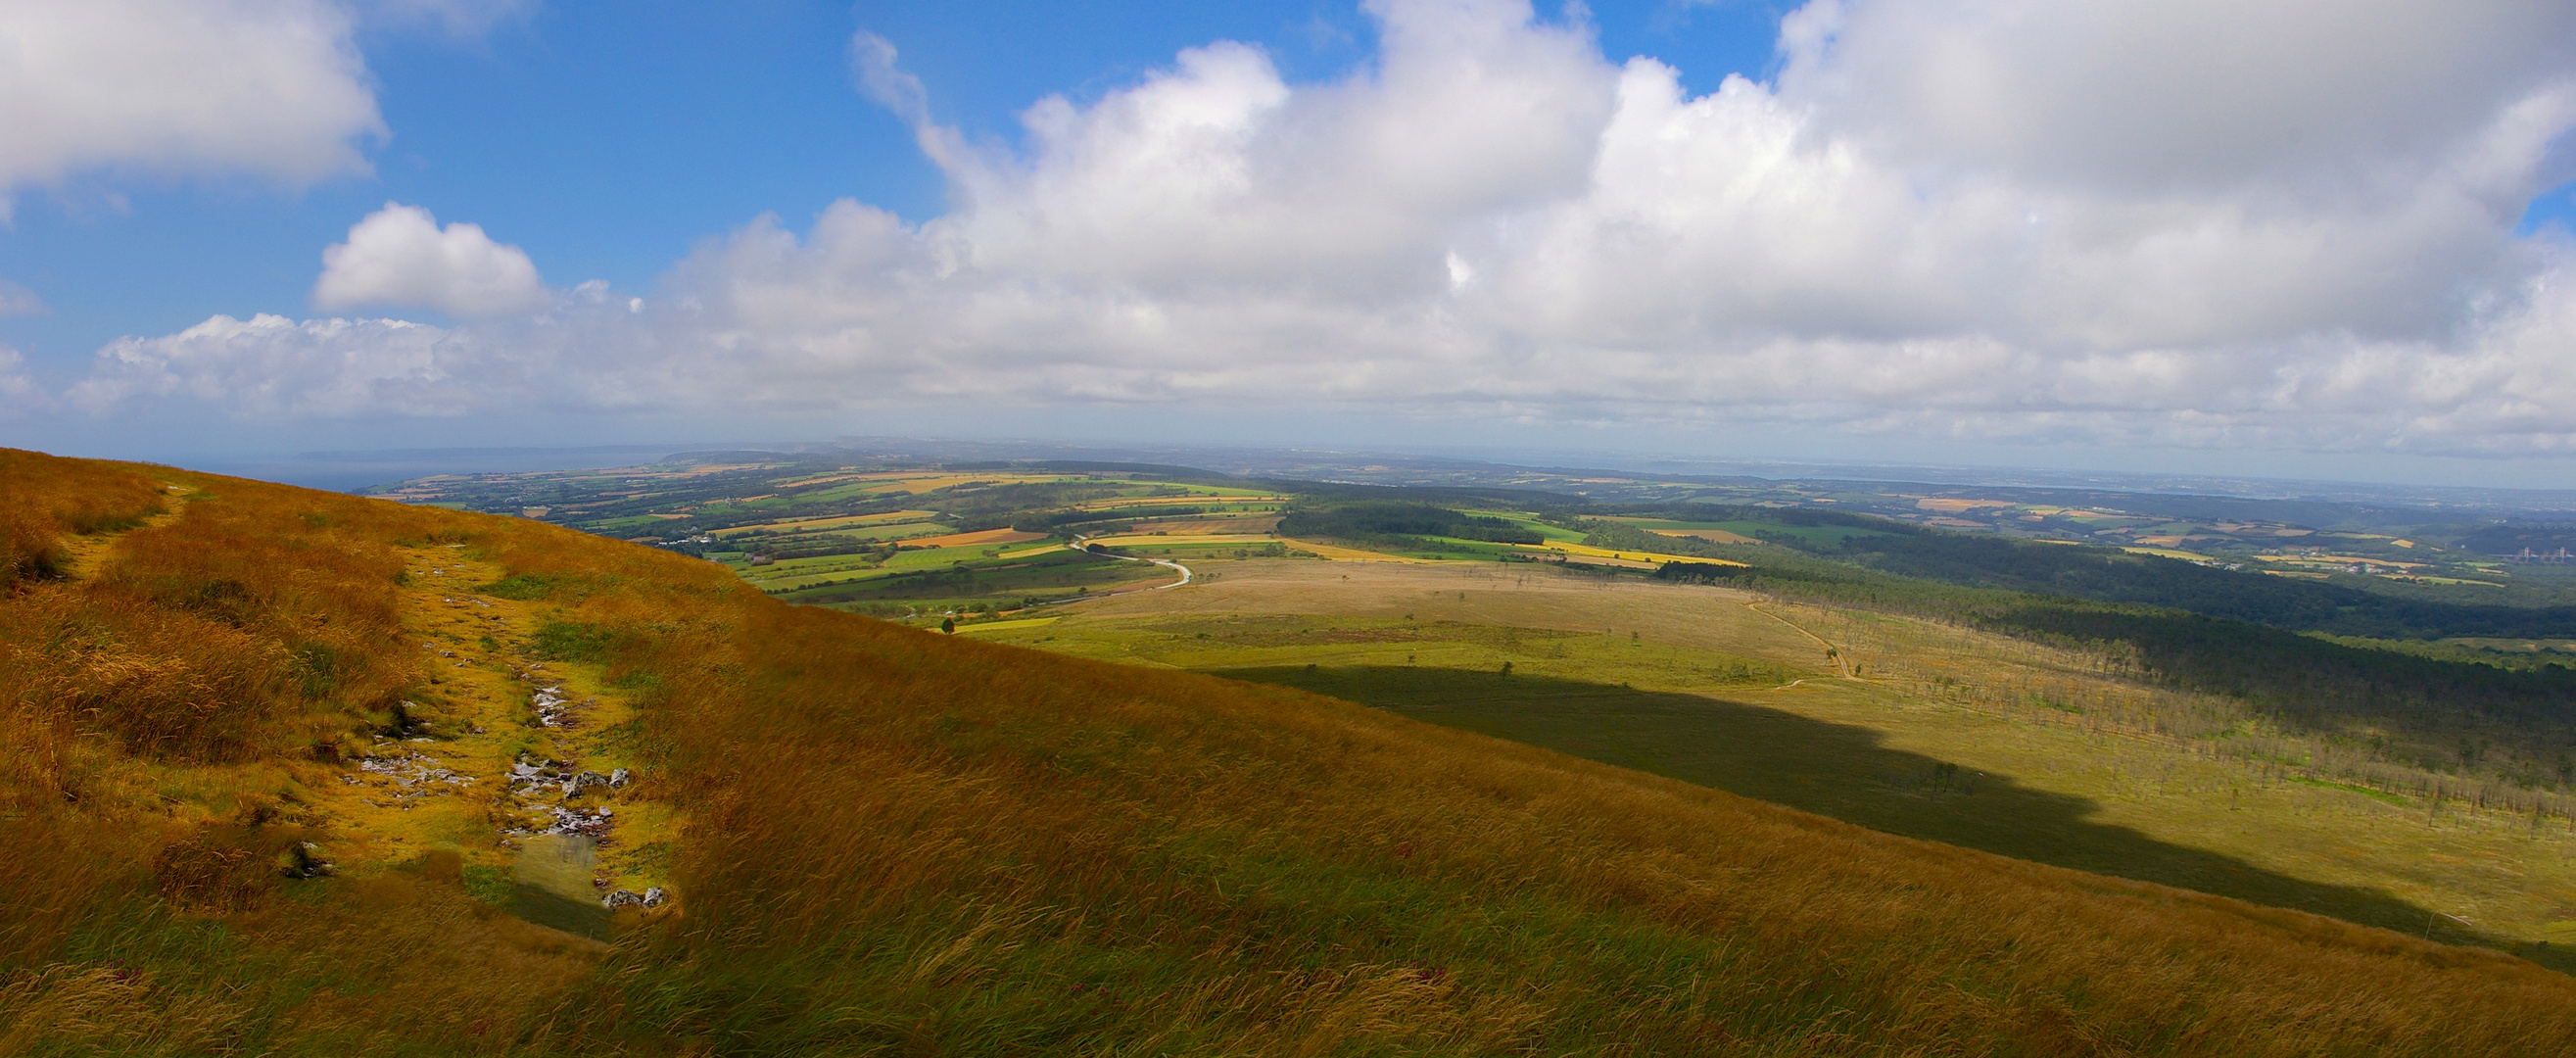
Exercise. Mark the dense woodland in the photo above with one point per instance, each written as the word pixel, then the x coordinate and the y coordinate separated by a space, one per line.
pixel 1399 525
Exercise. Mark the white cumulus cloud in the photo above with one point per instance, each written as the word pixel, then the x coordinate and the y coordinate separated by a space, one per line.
pixel 2255 224
pixel 398 256
pixel 272 366
pixel 268 88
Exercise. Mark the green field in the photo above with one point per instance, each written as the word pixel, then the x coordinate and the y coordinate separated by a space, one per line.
pixel 932 586
pixel 1688 682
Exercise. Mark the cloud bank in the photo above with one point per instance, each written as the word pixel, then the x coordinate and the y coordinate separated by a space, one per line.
pixel 2285 224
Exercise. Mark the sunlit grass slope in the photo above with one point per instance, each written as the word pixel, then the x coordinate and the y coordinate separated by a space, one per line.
pixel 894 841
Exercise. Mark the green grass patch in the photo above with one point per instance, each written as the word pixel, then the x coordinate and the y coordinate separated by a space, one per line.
pixel 520 586
pixel 570 641
pixel 488 885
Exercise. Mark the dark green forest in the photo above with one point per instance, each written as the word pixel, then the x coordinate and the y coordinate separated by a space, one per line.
pixel 2102 574
pixel 1395 523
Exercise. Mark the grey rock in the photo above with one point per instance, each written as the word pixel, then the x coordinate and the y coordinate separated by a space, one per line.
pixel 655 897
pixel 617 779
pixel 622 898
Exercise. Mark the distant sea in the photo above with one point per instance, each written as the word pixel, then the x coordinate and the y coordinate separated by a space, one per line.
pixel 360 471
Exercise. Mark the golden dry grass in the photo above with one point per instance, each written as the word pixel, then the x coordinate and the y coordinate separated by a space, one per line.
pixel 900 842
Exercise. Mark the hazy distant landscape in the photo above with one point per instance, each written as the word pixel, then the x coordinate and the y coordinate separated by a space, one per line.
pixel 2254 689
pixel 1870 528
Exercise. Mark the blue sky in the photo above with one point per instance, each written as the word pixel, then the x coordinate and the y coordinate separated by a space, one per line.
pixel 607 138
pixel 1873 248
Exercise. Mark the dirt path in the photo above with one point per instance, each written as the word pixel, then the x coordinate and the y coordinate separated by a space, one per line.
pixel 1831 650
pixel 491 751
pixel 507 757
pixel 89 551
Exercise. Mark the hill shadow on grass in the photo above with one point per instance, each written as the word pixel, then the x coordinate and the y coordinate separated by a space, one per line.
pixel 1843 772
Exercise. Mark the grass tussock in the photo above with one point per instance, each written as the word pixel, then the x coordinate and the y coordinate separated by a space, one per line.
pixel 899 842
pixel 43 497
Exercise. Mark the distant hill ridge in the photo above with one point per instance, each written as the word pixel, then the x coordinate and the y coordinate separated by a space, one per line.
pixel 885 840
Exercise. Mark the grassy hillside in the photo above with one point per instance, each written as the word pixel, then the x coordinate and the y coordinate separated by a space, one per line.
pixel 885 840
pixel 1917 727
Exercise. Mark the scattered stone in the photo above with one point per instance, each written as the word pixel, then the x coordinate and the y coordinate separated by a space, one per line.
pixel 558 820
pixel 416 775
pixel 623 898
pixel 573 787
pixel 617 779
pixel 655 897
pixel 304 860
pixel 552 708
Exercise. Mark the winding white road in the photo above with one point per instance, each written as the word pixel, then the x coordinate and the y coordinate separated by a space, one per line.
pixel 1166 563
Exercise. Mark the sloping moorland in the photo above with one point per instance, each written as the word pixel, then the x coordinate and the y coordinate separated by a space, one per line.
pixel 887 840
